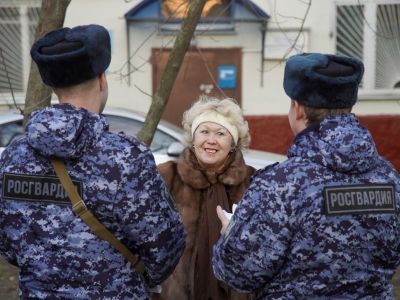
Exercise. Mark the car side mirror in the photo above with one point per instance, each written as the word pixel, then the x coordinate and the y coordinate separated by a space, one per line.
pixel 175 149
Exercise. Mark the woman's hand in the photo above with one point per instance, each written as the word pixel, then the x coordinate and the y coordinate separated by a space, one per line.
pixel 223 218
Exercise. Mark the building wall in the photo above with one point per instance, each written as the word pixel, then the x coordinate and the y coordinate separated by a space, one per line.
pixel 245 36
pixel 272 133
pixel 321 24
pixel 262 93
pixel 110 14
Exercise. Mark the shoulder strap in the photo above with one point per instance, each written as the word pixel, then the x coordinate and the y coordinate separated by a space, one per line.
pixel 79 207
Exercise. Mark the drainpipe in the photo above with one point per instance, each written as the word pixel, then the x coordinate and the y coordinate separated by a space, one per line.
pixel 263 33
pixel 128 49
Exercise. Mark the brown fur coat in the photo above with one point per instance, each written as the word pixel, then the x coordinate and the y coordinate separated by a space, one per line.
pixel 188 186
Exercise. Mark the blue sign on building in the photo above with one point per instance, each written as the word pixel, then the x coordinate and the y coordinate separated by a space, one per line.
pixel 227 76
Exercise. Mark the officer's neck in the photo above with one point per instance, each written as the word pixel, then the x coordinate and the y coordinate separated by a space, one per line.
pixel 86 95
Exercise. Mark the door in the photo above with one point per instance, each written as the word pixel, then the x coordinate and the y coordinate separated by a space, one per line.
pixel 214 72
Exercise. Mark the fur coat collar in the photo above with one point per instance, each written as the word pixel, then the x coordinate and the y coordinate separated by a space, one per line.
pixel 233 173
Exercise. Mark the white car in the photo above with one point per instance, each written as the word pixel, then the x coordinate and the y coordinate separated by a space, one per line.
pixel 167 143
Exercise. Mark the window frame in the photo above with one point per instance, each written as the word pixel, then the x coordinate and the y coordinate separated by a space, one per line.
pixel 368 91
pixel 209 24
pixel 25 42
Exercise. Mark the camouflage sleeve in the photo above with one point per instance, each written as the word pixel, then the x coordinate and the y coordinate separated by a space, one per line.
pixel 150 219
pixel 253 247
pixel 5 250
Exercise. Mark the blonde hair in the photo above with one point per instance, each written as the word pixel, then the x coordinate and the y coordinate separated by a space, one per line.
pixel 227 107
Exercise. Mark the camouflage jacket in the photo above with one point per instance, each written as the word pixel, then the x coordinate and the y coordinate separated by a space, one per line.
pixel 58 255
pixel 324 224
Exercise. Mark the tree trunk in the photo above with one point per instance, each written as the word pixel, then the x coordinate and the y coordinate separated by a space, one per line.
pixel 175 59
pixel 52 15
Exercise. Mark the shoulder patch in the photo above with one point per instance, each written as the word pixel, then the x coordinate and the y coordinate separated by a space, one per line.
pixel 362 199
pixel 36 188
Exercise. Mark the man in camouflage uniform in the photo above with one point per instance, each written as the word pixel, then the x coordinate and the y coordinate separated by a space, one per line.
pixel 325 223
pixel 58 255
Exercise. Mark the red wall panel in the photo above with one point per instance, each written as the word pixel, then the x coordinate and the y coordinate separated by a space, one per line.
pixel 272 133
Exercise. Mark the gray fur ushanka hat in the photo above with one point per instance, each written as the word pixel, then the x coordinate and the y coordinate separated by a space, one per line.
pixel 322 80
pixel 69 56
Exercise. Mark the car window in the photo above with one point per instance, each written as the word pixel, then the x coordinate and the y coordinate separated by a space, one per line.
pixel 9 131
pixel 121 124
pixel 161 140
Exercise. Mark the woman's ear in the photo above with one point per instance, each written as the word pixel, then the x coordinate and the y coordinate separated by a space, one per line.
pixel 233 147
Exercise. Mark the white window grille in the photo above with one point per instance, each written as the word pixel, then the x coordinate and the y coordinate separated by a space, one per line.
pixel 370 31
pixel 18 20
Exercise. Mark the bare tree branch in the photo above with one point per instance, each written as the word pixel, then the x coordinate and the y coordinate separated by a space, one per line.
pixel 171 71
pixel 52 15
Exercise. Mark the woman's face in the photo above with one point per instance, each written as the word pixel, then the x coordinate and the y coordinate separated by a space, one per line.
pixel 212 144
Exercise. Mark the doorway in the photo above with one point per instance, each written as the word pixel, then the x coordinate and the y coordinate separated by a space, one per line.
pixel 213 72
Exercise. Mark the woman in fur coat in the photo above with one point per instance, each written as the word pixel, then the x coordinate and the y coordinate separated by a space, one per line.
pixel 209 172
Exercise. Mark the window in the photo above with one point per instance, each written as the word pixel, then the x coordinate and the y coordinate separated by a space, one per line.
pixel 216 15
pixel 179 8
pixel 121 124
pixel 18 20
pixel 370 31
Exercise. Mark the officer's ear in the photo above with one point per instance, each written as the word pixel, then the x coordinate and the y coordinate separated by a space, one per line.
pixel 102 81
pixel 299 112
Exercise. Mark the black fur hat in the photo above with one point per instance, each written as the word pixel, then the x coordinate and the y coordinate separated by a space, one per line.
pixel 323 80
pixel 69 56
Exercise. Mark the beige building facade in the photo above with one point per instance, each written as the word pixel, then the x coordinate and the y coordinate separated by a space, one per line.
pixel 265 32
